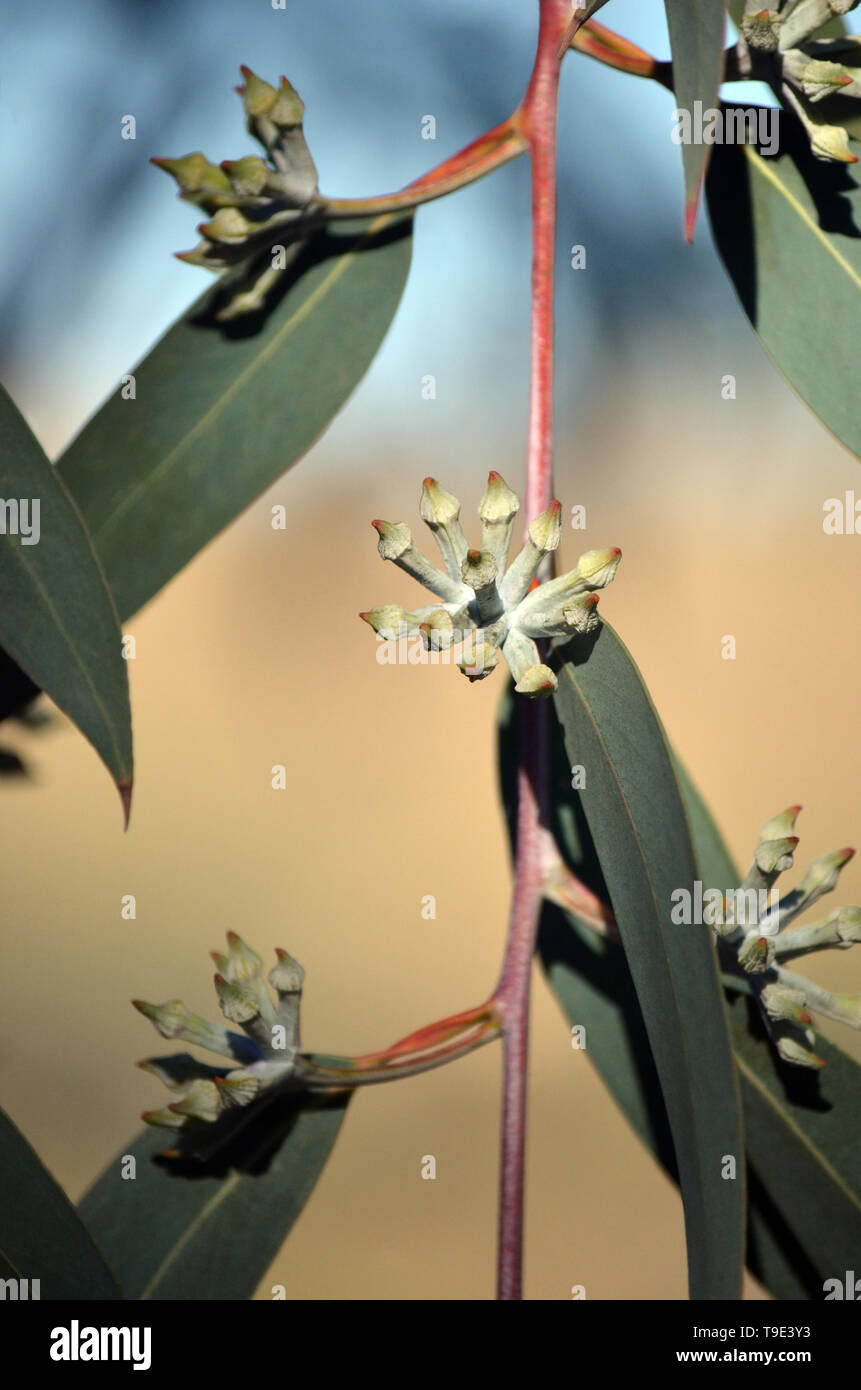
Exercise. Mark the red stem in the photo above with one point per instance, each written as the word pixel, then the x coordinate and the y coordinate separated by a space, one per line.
pixel 513 991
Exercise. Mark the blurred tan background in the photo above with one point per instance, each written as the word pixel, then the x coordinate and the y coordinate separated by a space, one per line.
pixel 255 656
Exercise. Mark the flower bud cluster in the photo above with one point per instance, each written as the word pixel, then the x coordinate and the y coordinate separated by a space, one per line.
pixel 499 606
pixel 786 999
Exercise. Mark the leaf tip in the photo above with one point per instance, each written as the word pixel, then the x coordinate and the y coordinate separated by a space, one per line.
pixel 125 790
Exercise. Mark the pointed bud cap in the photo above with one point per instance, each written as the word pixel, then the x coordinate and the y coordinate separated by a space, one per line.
pixel 237 1089
pixel 238 1002
pixel 288 108
pixel 597 568
pixel 824 79
pixel 202 1102
pixel 781 1002
pixel 537 682
pixel 499 505
pixel 780 826
pixel 258 97
pixel 389 621
pixel 545 532
pixel 286 977
pixel 227 226
pixel 756 954
pixel 395 538
pixel 831 142
pixel 438 507
pixel 775 856
pixel 243 963
pixel 823 873
pixel 164 1119
pixel 189 171
pixel 248 176
pixel 437 630
pixel 479 660
pixel 791 1050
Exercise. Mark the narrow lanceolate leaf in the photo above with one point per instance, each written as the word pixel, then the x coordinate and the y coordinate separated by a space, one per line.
pixel 697 43
pixel 787 229
pixel 802 1133
pixel 635 814
pixel 41 1235
pixel 221 410
pixel 210 1230
pixel 57 617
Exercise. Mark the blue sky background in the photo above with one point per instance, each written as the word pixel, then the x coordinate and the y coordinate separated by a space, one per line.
pixel 87 279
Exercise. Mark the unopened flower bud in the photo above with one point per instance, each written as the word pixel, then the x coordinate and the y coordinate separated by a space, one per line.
pixel 287 976
pixel 227 226
pixel 543 537
pixel 497 510
pixel 478 660
pixel 198 180
pixel 440 510
pixel 396 544
pixel 538 682
pixel 761 30
pixel 174 1020
pixel 756 954
pixel 202 1102
pixel 238 1089
pixel 437 631
pixel 791 1050
pixel 542 611
pixel 831 142
pixel 248 176
pixel 479 572
pixel 780 826
pixel 776 856
pixel 258 96
pixel 389 621
pixel 780 1002
pixel 288 108
pixel 817 78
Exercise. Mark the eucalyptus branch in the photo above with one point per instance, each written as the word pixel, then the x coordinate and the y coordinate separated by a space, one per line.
pixel 513 992
pixel 490 151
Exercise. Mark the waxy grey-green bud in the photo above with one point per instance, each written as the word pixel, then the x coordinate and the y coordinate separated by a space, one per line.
pixel 840 929
pixel 543 537
pixel 761 30
pixel 440 510
pixel 771 859
pixel 437 630
pixel 396 544
pixel 780 826
pixel 756 954
pixel 842 1008
pixel 268 1056
pixel 479 572
pixel 794 1051
pixel 542 611
pixel 818 78
pixel 174 1020
pixel 227 226
pixel 479 659
pixel 199 181
pixel 780 1001
pixel 497 511
pixel 821 878
pixel 481 599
